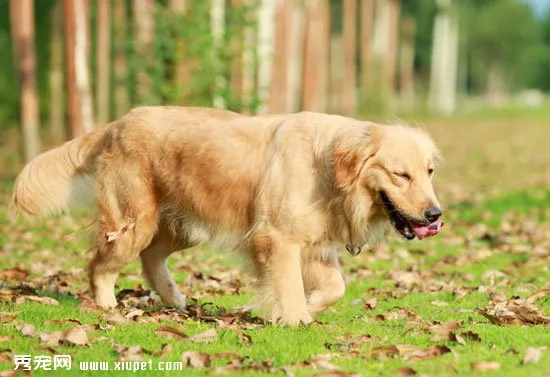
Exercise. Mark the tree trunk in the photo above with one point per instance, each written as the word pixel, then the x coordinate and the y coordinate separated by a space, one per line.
pixel 178 6
pixel 495 84
pixel 367 24
pixel 265 51
pixel 280 72
pixel 183 69
pixel 350 81
pixel 316 56
pixel 444 63
pixel 237 55
pixel 78 86
pixel 389 68
pixel 295 57
pixel 57 123
pixel 121 84
pixel 217 19
pixel 249 67
pixel 22 24
pixel 407 62
pixel 336 74
pixel 103 59
pixel 144 28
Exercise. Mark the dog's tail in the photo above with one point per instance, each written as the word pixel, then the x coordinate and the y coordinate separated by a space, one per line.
pixel 58 179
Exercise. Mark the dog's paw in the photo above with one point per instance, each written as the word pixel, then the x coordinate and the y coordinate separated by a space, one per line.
pixel 107 304
pixel 175 300
pixel 180 305
pixel 293 319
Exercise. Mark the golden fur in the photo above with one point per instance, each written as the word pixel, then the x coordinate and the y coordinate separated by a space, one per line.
pixel 284 189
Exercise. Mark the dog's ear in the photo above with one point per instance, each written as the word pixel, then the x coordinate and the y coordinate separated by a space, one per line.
pixel 350 154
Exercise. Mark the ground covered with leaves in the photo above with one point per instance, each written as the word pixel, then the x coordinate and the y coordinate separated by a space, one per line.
pixel 475 299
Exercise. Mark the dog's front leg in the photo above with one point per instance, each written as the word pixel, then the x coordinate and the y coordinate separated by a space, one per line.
pixel 282 282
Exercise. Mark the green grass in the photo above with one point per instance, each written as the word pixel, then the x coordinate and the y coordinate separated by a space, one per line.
pixel 348 319
pixel 507 230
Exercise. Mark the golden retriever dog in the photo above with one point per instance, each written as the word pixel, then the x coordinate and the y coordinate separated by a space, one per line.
pixel 282 189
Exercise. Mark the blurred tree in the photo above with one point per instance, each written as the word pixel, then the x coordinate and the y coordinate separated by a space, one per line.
pixel 281 55
pixel 22 24
pixel 423 13
pixel 103 57
pixel 183 69
pixel 120 69
pixel 389 68
pixel 77 75
pixel 57 122
pixel 498 34
pixel 217 28
pixel 366 25
pixel 295 62
pixel 266 40
pixel 540 54
pixel 443 80
pixel 235 40
pixel 144 32
pixel 406 63
pixel 316 56
pixel 349 100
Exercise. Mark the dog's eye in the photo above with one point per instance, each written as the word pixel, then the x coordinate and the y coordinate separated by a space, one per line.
pixel 405 176
pixel 430 171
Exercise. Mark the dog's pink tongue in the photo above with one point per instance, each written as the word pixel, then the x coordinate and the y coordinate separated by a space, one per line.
pixel 428 230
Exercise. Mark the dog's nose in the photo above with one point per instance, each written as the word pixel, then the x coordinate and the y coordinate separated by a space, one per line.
pixel 432 214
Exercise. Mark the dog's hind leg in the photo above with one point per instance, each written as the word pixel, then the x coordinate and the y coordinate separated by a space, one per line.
pixel 324 285
pixel 153 262
pixel 128 221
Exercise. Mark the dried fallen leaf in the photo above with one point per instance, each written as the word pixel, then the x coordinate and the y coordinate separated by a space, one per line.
pixel 384 352
pixel 532 355
pixel 47 349
pixel 171 332
pixel 61 321
pixel 76 336
pixel 245 337
pixel 132 353
pixel 429 353
pixel 15 273
pixel 134 314
pixel 288 372
pixel 439 303
pixel 516 311
pixel 5 355
pixel 337 374
pixel 165 349
pixel 484 366
pixel 26 329
pixel 408 352
pixel 457 338
pixel 113 318
pixel 444 331
pixel 195 359
pixel 406 372
pixel 5 339
pixel 7 317
pixel 206 336
pixel 371 303
pixel 42 300
pixel 90 306
pixel 51 339
pixel 470 335
pixel 8 373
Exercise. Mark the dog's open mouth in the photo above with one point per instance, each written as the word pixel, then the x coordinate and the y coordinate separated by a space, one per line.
pixel 409 229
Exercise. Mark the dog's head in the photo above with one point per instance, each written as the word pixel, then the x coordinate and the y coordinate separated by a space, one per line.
pixel 386 173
